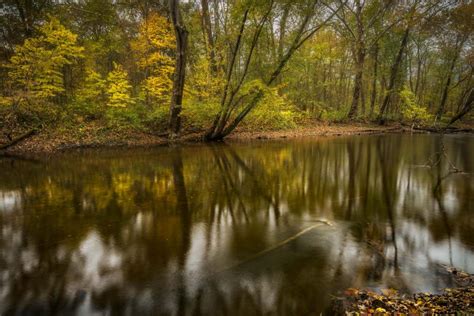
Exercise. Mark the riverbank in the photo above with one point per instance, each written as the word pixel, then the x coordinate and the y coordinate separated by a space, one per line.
pixel 458 300
pixel 50 141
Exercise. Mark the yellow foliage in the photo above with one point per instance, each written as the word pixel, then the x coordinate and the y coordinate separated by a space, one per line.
pixel 203 84
pixel 153 49
pixel 158 87
pixel 155 42
pixel 273 111
pixel 411 110
pixel 5 101
pixel 36 67
pixel 93 89
pixel 118 88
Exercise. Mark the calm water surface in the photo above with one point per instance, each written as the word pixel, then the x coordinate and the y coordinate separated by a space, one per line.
pixel 267 227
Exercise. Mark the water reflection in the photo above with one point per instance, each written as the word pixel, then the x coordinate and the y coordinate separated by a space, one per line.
pixel 176 230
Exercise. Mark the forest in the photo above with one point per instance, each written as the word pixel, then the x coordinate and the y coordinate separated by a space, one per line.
pixel 236 157
pixel 91 68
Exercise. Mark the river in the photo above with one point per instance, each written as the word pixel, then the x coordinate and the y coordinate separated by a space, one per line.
pixel 265 227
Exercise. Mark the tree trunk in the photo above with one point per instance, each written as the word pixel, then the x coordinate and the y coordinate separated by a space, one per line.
pixel 222 125
pixel 418 69
pixel 210 39
pixel 362 100
pixel 179 75
pixel 393 76
pixel 357 83
pixel 444 97
pixel 282 29
pixel 467 107
pixel 359 56
pixel 374 80
pixel 220 120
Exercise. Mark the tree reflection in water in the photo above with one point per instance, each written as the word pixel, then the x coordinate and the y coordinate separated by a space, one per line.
pixel 151 231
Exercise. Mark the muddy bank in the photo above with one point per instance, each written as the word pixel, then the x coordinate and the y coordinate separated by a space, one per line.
pixel 52 141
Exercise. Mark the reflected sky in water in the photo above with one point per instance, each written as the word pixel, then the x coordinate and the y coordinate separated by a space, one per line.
pixel 266 227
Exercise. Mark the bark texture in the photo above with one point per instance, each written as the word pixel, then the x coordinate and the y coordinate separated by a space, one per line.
pixel 180 71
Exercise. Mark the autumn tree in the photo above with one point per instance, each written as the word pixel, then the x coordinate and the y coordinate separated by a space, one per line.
pixel 153 50
pixel 93 89
pixel 118 88
pixel 35 70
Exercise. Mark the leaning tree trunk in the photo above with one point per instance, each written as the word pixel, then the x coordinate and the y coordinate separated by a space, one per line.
pixel 179 76
pixel 466 108
pixel 283 22
pixel 223 124
pixel 444 97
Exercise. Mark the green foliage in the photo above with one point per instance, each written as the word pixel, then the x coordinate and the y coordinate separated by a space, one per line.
pixel 272 112
pixel 333 115
pixel 199 114
pixel 93 89
pixel 157 118
pixel 91 97
pixel 35 79
pixel 411 111
pixel 120 118
pixel 122 112
pixel 202 82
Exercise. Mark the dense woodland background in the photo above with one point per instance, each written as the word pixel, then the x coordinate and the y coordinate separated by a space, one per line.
pixel 99 65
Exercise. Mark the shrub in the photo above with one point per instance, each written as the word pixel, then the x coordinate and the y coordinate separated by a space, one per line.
pixel 157 118
pixel 411 111
pixel 272 112
pixel 334 115
pixel 123 118
pixel 199 114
